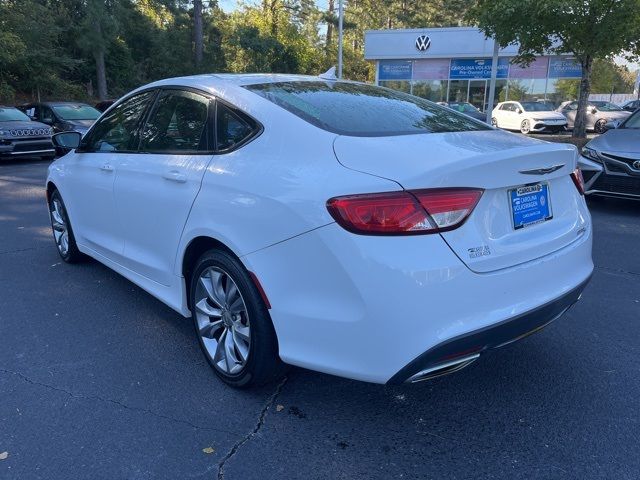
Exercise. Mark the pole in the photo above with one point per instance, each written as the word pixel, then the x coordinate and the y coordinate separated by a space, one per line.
pixel 492 83
pixel 340 17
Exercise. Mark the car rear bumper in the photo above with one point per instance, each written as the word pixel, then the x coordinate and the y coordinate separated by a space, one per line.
pixel 459 352
pixel 366 307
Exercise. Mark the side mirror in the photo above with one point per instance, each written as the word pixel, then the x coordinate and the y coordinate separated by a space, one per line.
pixel 66 141
pixel 518 111
pixel 612 125
pixel 594 110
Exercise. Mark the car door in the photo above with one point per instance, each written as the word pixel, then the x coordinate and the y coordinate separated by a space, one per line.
pixel 156 187
pixel 569 111
pixel 91 174
pixel 508 114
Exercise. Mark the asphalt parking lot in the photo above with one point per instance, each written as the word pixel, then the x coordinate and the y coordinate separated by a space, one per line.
pixel 99 380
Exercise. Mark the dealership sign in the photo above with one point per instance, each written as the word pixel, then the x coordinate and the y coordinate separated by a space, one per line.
pixel 564 68
pixel 395 70
pixel 469 68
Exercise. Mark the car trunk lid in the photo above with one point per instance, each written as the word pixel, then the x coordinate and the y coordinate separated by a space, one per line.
pixel 495 161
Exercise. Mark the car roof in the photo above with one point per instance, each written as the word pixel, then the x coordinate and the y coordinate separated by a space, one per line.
pixel 220 81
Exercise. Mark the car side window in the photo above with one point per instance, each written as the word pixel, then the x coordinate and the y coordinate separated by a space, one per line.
pixel 232 127
pixel 177 124
pixel 46 115
pixel 118 131
pixel 572 106
pixel 508 107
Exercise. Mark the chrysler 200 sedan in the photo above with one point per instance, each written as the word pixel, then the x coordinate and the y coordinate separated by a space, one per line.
pixel 328 224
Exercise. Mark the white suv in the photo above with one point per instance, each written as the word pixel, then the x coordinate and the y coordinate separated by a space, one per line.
pixel 528 117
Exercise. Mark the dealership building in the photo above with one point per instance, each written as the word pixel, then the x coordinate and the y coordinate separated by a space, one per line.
pixel 454 64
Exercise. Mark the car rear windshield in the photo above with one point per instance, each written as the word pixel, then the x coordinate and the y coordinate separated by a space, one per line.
pixel 76 112
pixel 357 109
pixel 12 115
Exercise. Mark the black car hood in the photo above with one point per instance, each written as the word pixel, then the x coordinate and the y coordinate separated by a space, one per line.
pixel 80 123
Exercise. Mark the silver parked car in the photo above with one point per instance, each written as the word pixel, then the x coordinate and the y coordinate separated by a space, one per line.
pixel 598 114
pixel 610 163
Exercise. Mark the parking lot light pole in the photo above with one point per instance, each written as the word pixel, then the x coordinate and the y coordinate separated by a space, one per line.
pixel 492 82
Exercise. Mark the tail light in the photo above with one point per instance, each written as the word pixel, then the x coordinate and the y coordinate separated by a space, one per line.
pixel 412 212
pixel 578 180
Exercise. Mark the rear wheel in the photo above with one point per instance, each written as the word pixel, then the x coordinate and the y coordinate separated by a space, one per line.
pixel 232 323
pixel 62 231
pixel 525 127
pixel 599 127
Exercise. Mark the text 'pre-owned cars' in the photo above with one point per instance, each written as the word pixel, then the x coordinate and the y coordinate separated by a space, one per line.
pixel 328 224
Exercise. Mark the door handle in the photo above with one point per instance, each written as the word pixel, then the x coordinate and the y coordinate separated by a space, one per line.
pixel 106 167
pixel 175 176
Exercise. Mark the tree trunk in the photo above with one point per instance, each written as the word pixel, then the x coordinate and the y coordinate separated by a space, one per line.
pixel 580 124
pixel 197 31
pixel 101 73
pixel 330 24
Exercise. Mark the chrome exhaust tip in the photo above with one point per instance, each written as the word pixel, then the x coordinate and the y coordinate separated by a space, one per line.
pixel 443 368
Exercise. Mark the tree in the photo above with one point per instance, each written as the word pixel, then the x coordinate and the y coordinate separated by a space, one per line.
pixel 588 29
pixel 197 31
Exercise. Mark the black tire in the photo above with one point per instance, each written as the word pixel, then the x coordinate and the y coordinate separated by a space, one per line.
pixel 263 364
pixel 599 126
pixel 71 254
pixel 494 122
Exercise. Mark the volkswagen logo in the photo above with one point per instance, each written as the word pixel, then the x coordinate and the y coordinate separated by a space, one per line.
pixel 636 164
pixel 423 42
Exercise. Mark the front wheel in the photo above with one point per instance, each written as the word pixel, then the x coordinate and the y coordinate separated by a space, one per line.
pixel 525 127
pixel 494 122
pixel 232 322
pixel 599 127
pixel 62 231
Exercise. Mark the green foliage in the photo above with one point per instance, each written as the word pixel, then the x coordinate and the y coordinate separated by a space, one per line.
pixel 588 29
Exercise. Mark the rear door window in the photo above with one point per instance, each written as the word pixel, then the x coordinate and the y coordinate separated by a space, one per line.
pixel 233 128
pixel 357 109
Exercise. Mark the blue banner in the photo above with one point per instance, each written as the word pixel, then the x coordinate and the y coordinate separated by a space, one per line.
pixel 395 70
pixel 470 68
pixel 564 68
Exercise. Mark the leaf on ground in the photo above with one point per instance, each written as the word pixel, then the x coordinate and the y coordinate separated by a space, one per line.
pixel 208 450
pixel 4 455
pixel 279 408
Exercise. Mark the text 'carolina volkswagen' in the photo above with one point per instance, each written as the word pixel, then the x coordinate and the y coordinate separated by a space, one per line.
pixel 328 224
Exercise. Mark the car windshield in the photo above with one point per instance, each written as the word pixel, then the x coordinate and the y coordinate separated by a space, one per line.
pixel 12 115
pixel 606 106
pixel 357 109
pixel 464 107
pixel 76 112
pixel 633 121
pixel 536 106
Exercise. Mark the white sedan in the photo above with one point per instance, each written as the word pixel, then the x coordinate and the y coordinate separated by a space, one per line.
pixel 528 117
pixel 332 225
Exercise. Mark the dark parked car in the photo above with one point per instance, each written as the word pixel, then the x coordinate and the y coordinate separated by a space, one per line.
pixel 610 163
pixel 63 116
pixel 20 136
pixel 103 105
pixel 631 105
pixel 467 109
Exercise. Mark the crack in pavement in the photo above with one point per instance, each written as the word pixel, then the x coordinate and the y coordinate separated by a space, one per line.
pixel 113 402
pixel 616 270
pixel 261 419
pixel 20 250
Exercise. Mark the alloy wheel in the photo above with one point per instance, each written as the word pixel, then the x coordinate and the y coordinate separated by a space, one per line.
pixel 524 127
pixel 599 126
pixel 222 320
pixel 60 228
